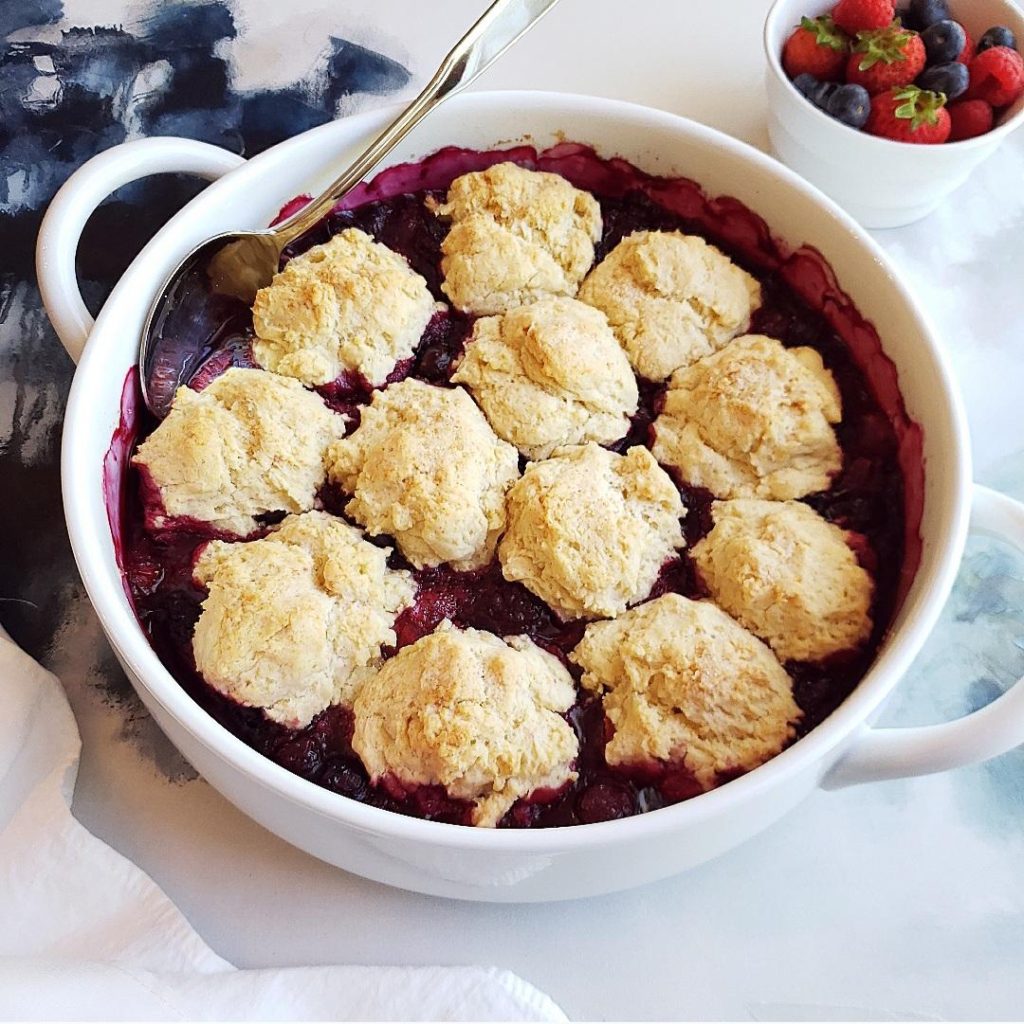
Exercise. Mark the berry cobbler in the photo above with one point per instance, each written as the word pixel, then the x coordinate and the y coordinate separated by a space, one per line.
pixel 533 491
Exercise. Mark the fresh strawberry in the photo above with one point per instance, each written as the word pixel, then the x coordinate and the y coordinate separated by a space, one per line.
pixel 817 48
pixel 862 15
pixel 909 114
pixel 969 118
pixel 967 53
pixel 997 76
pixel 885 58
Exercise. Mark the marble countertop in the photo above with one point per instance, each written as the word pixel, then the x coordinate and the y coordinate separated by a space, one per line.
pixel 900 900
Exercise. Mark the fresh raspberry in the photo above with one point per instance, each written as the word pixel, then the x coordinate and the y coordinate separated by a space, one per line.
pixel 967 53
pixel 997 76
pixel 909 114
pixel 863 15
pixel 817 48
pixel 969 118
pixel 885 58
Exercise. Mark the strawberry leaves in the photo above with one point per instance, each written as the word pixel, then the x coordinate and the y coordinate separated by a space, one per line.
pixel 887 45
pixel 918 106
pixel 825 32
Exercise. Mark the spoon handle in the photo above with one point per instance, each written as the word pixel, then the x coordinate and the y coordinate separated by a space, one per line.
pixel 495 31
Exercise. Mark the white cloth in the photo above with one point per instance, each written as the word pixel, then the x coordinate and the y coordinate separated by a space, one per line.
pixel 86 935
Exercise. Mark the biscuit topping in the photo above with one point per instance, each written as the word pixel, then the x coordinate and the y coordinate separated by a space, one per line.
pixel 788 575
pixel 550 374
pixel 350 304
pixel 671 299
pixel 589 530
pixel 752 421
pixel 468 711
pixel 684 682
pixel 293 621
pixel 516 236
pixel 425 467
pixel 249 443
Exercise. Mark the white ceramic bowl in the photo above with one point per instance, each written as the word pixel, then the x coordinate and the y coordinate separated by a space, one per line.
pixel 883 184
pixel 514 865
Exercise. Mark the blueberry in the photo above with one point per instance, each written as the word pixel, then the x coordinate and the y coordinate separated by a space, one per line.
pixel 849 104
pixel 908 19
pixel 952 79
pixel 817 92
pixel 943 41
pixel 928 12
pixel 805 84
pixel 999 35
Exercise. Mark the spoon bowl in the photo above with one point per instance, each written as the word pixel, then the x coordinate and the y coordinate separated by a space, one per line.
pixel 210 288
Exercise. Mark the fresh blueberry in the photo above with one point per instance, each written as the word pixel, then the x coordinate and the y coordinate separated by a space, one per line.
pixel 849 104
pixel 817 92
pixel 908 19
pixel 805 84
pixel 952 79
pixel 999 35
pixel 928 12
pixel 943 41
pixel 820 94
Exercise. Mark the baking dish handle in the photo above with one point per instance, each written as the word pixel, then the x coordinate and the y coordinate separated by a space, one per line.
pixel 78 197
pixel 994 729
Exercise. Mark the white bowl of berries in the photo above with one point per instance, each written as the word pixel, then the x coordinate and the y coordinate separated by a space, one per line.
pixel 889 107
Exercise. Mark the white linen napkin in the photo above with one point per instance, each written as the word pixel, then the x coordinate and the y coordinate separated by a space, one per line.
pixel 86 935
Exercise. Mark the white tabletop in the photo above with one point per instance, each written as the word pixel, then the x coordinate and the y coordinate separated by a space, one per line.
pixel 896 900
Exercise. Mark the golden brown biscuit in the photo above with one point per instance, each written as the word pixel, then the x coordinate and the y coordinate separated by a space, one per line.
pixel 293 621
pixel 516 236
pixel 250 442
pixel 684 682
pixel 350 304
pixel 670 299
pixel 752 421
pixel 425 467
pixel 589 530
pixel 465 710
pixel 549 374
pixel 788 575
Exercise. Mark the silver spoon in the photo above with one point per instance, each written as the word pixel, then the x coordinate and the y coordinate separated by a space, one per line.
pixel 222 275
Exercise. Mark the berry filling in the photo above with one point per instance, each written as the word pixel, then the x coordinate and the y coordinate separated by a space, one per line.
pixel 878 494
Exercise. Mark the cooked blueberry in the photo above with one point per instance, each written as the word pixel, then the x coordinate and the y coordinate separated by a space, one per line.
pixel 952 79
pixel 999 35
pixel 943 41
pixel 928 12
pixel 850 104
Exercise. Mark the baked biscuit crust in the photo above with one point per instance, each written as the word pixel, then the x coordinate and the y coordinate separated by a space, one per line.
pixel 589 530
pixel 249 443
pixel 349 305
pixel 549 374
pixel 788 575
pixel 752 421
pixel 293 621
pixel 425 467
pixel 516 236
pixel 670 299
pixel 684 682
pixel 468 711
